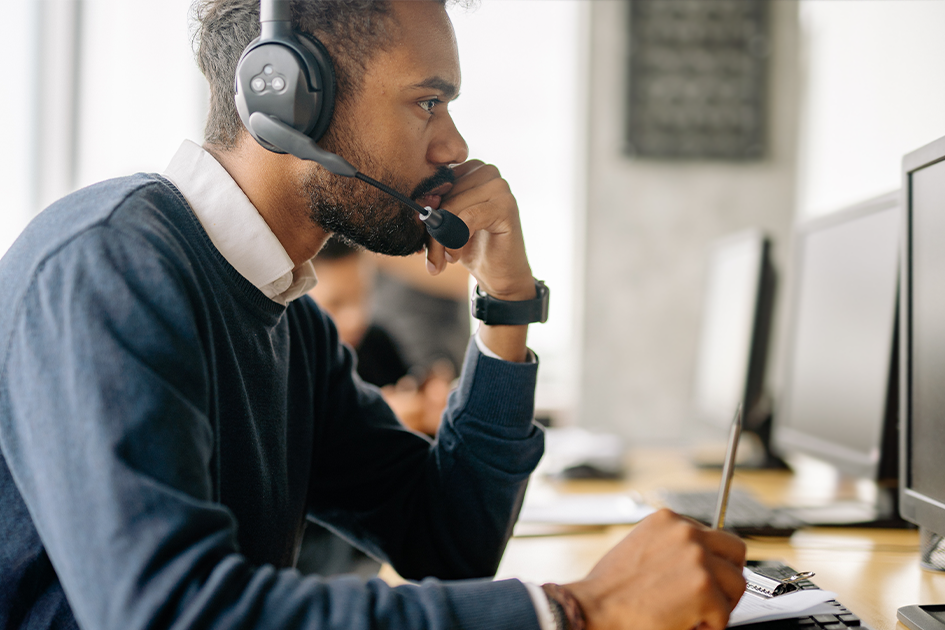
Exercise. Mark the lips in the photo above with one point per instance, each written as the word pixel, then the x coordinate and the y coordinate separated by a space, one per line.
pixel 435 196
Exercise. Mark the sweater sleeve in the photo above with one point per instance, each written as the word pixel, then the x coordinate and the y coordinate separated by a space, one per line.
pixel 443 509
pixel 103 426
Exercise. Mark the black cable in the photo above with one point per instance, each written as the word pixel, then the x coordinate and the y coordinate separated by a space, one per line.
pixel 393 193
pixel 444 226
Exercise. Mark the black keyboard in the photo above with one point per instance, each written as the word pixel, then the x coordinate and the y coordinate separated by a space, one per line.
pixel 745 515
pixel 840 619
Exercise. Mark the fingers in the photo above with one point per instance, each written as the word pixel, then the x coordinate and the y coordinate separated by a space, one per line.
pixel 483 201
pixel 495 253
pixel 461 170
pixel 436 257
pixel 475 176
pixel 715 589
pixel 725 545
pixel 482 206
pixel 724 559
pixel 718 541
pixel 717 580
pixel 720 584
pixel 729 579
pixel 669 572
pixel 465 193
pixel 479 184
pixel 715 611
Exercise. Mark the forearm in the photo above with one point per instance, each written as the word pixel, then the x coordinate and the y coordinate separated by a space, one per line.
pixel 445 508
pixel 507 342
pixel 486 448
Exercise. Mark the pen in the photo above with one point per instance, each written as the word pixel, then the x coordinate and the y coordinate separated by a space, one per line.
pixel 728 469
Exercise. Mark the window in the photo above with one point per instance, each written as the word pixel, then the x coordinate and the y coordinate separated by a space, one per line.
pixel 521 109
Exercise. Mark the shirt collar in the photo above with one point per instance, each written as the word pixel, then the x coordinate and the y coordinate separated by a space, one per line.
pixel 235 227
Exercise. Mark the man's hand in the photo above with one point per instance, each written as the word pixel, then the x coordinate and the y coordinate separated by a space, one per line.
pixel 495 253
pixel 669 573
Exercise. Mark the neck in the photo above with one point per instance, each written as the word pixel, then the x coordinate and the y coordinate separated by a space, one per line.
pixel 270 182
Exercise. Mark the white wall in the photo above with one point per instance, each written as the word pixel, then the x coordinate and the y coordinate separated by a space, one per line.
pixel 16 110
pixel 521 109
pixel 138 93
pixel 855 85
pixel 141 92
pixel 875 90
pixel 649 226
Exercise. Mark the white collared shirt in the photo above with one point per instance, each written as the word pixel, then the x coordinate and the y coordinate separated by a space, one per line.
pixel 235 227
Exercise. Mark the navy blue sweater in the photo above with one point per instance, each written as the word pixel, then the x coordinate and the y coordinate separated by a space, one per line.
pixel 165 429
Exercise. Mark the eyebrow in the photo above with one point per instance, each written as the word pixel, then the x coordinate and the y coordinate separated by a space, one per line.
pixel 450 91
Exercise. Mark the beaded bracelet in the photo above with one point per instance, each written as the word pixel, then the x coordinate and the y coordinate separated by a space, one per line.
pixel 564 607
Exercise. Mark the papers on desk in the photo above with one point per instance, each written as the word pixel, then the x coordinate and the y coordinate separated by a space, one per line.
pixel 583 509
pixel 754 608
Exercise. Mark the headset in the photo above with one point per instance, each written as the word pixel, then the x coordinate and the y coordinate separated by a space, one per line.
pixel 285 96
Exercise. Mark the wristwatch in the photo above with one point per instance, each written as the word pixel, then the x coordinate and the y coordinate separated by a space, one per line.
pixel 497 312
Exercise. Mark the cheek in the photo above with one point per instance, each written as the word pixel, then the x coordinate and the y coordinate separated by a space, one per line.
pixel 402 135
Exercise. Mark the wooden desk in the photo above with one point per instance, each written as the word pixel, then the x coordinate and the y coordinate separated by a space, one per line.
pixel 873 572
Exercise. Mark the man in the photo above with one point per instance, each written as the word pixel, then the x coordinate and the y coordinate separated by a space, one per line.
pixel 170 412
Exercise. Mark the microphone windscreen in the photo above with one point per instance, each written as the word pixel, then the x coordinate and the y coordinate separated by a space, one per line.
pixel 451 231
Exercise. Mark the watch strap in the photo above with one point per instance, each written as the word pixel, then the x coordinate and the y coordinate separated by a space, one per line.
pixel 496 312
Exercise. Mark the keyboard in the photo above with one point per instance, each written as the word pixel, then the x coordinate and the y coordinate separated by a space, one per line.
pixel 841 619
pixel 745 515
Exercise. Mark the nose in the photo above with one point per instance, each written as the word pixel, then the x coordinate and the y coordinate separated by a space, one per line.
pixel 448 145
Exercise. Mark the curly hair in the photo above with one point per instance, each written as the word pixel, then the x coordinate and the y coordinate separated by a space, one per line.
pixel 353 31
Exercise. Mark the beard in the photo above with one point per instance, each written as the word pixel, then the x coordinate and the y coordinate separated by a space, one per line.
pixel 360 214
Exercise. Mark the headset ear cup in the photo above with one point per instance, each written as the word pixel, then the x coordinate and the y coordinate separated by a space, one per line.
pixel 328 83
pixel 303 98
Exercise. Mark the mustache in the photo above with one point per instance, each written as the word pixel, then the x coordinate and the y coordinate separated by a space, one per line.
pixel 443 175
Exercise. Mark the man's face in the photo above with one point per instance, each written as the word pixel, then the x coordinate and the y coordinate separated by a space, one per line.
pixel 398 131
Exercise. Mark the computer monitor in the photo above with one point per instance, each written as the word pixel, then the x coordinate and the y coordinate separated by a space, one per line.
pixel 840 390
pixel 733 344
pixel 922 411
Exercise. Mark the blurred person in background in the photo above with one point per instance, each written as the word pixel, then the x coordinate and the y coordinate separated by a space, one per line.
pixel 427 315
pixel 345 290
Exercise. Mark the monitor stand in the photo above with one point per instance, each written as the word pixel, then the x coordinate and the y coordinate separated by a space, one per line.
pixel 768 460
pixel 884 513
pixel 754 451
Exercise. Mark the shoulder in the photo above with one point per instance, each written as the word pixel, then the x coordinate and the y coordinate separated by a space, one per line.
pixel 123 237
pixel 144 205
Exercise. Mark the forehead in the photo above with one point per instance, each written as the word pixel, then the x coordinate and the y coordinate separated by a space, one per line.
pixel 423 48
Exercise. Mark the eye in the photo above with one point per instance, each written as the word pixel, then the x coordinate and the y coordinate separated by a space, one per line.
pixel 429 104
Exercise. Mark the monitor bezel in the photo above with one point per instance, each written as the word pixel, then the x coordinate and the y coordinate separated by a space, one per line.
pixel 758 337
pixel 913 506
pixel 785 439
